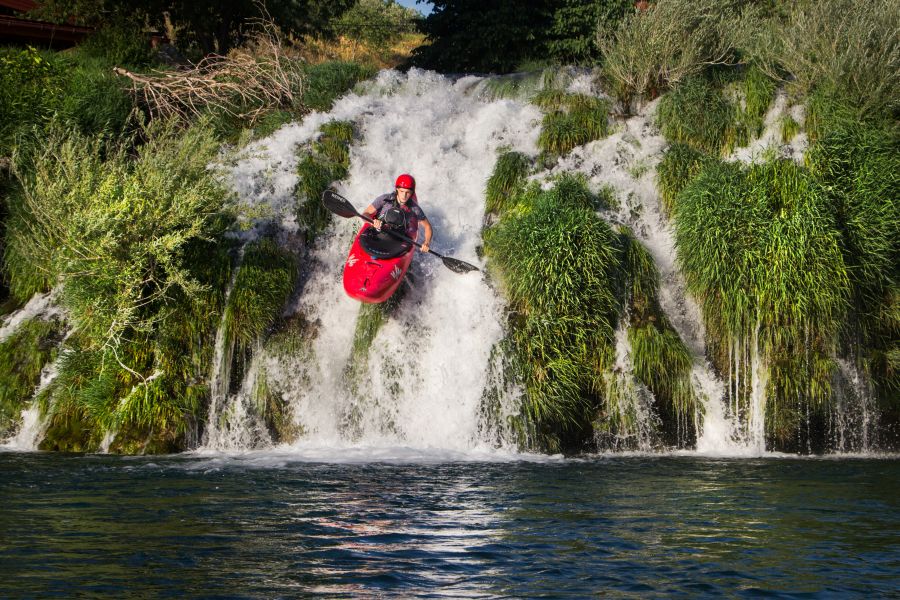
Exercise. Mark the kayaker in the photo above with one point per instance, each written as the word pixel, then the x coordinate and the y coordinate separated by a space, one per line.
pixel 404 199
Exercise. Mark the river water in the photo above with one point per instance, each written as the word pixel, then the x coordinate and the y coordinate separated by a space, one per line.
pixel 275 525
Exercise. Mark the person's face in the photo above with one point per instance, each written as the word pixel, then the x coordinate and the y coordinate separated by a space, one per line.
pixel 404 194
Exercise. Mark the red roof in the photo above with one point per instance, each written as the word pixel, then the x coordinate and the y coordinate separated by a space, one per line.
pixel 13 29
pixel 19 5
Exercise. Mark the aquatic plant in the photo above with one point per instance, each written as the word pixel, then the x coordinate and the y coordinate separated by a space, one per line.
pixel 750 91
pixel 557 263
pixel 265 278
pixel 506 181
pixel 859 164
pixel 324 162
pixel 760 248
pixel 789 128
pixel 678 166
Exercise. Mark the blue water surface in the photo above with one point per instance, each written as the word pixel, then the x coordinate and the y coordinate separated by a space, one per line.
pixel 620 527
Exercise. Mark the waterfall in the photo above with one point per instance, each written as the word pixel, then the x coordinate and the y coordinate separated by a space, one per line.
pixel 856 412
pixel 423 380
pixel 33 426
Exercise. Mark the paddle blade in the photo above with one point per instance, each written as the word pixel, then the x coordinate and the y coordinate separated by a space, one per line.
pixel 338 204
pixel 458 266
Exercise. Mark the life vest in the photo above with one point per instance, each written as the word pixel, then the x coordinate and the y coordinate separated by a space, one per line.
pixel 400 217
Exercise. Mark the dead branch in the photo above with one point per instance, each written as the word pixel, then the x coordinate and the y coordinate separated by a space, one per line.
pixel 244 84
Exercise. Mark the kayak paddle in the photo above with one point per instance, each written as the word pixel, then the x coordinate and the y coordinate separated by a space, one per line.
pixel 342 207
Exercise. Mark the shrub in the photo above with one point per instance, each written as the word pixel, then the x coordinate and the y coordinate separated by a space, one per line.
pixel 115 231
pixel 671 41
pixel 376 23
pixel 847 47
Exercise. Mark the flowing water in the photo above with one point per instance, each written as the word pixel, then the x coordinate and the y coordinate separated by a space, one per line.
pixel 428 367
pixel 270 525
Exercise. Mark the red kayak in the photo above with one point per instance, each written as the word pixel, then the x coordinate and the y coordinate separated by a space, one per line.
pixel 376 265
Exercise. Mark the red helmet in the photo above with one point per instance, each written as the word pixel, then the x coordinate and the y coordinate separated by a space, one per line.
pixel 406 181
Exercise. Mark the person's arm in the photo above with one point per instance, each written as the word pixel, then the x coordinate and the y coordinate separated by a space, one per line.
pixel 427 226
pixel 370 212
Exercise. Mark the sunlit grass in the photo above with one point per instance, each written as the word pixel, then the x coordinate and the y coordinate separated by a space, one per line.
pixel 506 181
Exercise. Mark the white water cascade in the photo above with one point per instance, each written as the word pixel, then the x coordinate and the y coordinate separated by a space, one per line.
pixel 428 366
pixel 32 426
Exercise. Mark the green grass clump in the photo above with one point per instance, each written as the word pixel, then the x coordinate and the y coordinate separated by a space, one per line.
pixel 860 164
pixel 506 181
pixel 326 82
pixel 790 128
pixel 326 161
pixel 264 281
pixel 513 85
pixel 679 165
pixel 754 92
pixel 760 248
pixel 557 263
pixel 95 100
pixel 334 143
pixel 579 119
pixel 22 357
pixel 697 114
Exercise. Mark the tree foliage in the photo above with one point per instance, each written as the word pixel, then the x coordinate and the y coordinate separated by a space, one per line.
pixel 205 25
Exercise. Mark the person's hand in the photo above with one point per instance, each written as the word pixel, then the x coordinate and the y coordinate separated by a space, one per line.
pixel 424 247
pixel 376 223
